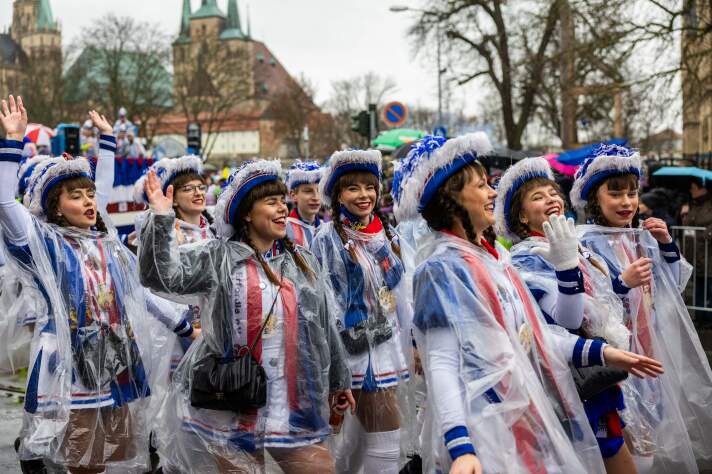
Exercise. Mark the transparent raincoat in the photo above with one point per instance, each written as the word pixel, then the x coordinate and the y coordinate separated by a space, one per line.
pixel 299 350
pixel 679 402
pixel 371 299
pixel 498 375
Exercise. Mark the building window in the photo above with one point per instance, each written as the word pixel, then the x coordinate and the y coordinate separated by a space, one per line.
pixel 261 57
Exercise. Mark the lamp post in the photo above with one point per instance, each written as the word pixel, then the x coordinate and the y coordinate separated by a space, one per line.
pixel 403 8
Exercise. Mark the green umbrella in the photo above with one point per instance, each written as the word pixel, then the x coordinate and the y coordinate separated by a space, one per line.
pixel 389 140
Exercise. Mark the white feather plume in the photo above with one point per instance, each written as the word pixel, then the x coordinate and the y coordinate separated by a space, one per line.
pixel 623 164
pixel 348 156
pixel 532 167
pixel 44 172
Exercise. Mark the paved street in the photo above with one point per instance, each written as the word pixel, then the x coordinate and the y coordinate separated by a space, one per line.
pixel 10 421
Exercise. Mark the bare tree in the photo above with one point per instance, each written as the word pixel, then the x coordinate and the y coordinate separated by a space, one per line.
pixel 120 62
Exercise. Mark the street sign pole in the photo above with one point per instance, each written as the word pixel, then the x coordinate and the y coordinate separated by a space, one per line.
pixel 373 122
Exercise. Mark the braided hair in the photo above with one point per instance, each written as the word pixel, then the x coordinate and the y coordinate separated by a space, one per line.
pixel 593 210
pixel 443 209
pixel 270 188
pixel 53 215
pixel 342 183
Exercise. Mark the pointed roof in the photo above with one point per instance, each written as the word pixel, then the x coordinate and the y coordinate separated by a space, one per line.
pixel 233 29
pixel 184 34
pixel 208 9
pixel 45 20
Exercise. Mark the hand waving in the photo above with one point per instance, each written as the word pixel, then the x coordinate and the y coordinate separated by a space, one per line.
pixel 563 243
pixel 14 118
pixel 160 203
pixel 101 123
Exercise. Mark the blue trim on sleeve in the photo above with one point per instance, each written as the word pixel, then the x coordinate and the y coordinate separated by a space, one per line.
pixel 578 352
pixel 570 281
pixel 107 142
pixel 458 443
pixel 619 287
pixel 595 353
pixel 11 151
pixel 670 251
pixel 184 329
pixel 587 352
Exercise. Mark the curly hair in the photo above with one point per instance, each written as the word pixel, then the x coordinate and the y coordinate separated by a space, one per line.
pixel 594 213
pixel 181 180
pixel 346 180
pixel 519 228
pixel 53 214
pixel 444 208
pixel 261 191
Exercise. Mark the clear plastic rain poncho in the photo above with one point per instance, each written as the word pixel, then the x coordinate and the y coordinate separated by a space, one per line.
pixel 679 402
pixel 299 351
pixel 93 354
pixel 513 389
pixel 371 298
pixel 21 302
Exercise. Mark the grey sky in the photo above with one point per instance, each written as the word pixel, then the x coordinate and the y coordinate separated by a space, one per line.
pixel 324 39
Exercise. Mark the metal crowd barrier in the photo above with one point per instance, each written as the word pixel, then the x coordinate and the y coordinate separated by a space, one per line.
pixel 693 243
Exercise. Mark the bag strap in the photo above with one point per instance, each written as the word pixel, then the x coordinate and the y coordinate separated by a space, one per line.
pixel 271 309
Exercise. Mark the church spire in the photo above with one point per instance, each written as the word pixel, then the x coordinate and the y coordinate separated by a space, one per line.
pixel 45 21
pixel 233 28
pixel 185 20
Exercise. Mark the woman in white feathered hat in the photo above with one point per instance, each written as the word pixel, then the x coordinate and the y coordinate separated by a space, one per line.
pixel 262 301
pixel 648 275
pixel 489 358
pixel 571 287
pixel 92 352
pixel 371 304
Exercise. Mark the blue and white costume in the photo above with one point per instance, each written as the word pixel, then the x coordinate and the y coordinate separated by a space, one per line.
pixel 300 231
pixel 579 299
pixel 299 349
pixel 489 358
pixel 91 357
pixel 674 425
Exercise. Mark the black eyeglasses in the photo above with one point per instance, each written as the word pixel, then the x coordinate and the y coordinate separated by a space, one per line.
pixel 192 188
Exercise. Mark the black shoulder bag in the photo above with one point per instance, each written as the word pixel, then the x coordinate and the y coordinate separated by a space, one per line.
pixel 237 384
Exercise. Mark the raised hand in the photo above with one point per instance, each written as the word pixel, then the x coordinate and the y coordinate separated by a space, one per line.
pixel 160 203
pixel 636 364
pixel 101 123
pixel 638 273
pixel 466 464
pixel 14 118
pixel 563 243
pixel 658 228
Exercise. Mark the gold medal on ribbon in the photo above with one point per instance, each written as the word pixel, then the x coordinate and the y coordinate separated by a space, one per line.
pixel 526 337
pixel 270 326
pixel 387 300
pixel 105 299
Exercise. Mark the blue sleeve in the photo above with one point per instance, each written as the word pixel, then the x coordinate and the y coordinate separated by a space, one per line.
pixel 670 252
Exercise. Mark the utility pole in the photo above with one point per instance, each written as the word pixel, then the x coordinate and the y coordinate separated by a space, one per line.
pixel 567 75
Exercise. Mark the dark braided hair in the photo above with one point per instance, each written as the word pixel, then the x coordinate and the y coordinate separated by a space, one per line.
pixel 270 188
pixel 343 182
pixel 181 180
pixel 443 209
pixel 519 228
pixel 80 182
pixel 623 182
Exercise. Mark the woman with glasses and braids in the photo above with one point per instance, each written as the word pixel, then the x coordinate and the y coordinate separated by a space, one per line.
pixel 262 300
pixel 371 300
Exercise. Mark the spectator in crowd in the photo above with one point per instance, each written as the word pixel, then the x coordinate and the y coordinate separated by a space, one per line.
pixel 134 148
pixel 122 121
pixel 698 248
pixel 87 140
pixel 655 203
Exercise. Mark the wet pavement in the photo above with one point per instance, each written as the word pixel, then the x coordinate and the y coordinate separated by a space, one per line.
pixel 10 422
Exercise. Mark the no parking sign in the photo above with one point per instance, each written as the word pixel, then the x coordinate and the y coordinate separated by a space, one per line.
pixel 395 114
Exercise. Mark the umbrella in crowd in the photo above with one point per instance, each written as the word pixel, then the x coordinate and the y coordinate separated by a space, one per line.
pixel 392 139
pixel 39 134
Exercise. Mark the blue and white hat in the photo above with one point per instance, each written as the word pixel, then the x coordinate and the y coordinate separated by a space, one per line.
pixel 513 178
pixel 432 164
pixel 23 174
pixel 605 161
pixel 303 172
pixel 343 162
pixel 404 167
pixel 249 175
pixel 49 173
pixel 167 169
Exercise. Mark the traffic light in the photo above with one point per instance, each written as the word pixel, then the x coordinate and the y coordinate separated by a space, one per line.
pixel 361 124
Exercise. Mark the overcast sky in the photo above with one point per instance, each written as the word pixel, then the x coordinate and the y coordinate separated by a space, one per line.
pixel 323 39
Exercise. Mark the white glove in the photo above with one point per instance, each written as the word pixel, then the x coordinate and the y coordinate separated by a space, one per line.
pixel 562 252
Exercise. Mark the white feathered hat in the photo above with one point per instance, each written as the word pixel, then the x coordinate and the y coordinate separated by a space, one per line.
pixel 49 173
pixel 249 175
pixel 23 174
pixel 343 162
pixel 434 165
pixel 513 178
pixel 167 169
pixel 303 172
pixel 603 162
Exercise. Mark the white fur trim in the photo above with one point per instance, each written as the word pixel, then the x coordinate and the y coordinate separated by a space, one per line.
pixel 348 156
pixel 224 229
pixel 44 172
pixel 302 176
pixel 172 166
pixel 28 163
pixel 526 167
pixel 413 186
pixel 601 163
